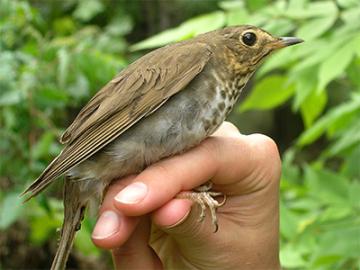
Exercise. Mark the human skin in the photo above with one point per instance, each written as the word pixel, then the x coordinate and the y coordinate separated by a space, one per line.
pixel 146 227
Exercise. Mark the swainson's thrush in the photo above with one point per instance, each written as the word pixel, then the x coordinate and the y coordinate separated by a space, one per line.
pixel 162 104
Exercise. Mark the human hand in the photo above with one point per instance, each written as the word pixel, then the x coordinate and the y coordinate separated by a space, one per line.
pixel 245 168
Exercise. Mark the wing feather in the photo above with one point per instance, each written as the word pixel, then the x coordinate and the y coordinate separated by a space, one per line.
pixel 135 93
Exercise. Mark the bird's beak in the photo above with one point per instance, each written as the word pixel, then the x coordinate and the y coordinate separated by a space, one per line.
pixel 288 41
pixel 282 42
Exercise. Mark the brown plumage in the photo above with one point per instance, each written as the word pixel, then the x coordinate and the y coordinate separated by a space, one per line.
pixel 133 94
pixel 164 103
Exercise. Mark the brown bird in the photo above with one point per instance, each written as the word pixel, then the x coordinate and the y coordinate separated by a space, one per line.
pixel 162 104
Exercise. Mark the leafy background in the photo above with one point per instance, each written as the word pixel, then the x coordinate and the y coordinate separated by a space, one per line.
pixel 54 55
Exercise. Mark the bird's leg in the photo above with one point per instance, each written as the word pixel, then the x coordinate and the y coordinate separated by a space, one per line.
pixel 205 198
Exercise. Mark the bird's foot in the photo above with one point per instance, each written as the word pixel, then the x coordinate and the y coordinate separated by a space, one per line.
pixel 205 198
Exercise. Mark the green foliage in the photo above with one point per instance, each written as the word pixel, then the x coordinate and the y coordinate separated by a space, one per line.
pixel 54 57
pixel 268 93
pixel 10 210
pixel 50 66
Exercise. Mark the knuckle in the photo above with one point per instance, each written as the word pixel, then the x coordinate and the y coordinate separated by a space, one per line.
pixel 267 155
pixel 228 126
pixel 227 129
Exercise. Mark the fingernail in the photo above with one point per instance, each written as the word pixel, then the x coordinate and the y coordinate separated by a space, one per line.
pixel 133 193
pixel 107 225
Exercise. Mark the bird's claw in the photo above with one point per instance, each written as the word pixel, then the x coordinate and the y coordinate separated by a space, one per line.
pixel 205 198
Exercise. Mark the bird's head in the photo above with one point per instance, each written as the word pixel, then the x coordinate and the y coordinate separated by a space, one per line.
pixel 252 44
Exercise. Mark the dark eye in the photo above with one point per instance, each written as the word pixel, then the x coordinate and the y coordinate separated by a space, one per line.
pixel 249 38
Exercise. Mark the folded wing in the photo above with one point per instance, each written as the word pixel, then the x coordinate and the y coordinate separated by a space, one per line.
pixel 136 92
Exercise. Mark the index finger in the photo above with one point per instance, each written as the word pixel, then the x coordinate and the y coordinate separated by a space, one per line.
pixel 225 159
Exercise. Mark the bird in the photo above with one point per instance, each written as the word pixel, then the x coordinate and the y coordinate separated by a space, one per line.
pixel 163 104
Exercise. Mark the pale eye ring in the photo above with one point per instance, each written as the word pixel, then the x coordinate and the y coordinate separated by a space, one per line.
pixel 249 38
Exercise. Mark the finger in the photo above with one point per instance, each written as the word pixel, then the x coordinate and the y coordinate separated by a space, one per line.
pixel 224 160
pixel 186 224
pixel 227 129
pixel 172 213
pixel 253 159
pixel 136 253
pixel 113 228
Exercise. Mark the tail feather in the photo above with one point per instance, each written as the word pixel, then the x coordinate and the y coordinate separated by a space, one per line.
pixel 55 169
pixel 45 179
pixel 73 215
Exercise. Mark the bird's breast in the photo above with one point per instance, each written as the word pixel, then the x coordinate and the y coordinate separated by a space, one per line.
pixel 225 92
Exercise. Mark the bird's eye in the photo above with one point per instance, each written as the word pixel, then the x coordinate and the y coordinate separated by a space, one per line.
pixel 249 38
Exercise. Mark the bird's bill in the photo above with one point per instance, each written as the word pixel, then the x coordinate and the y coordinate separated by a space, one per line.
pixel 285 42
pixel 288 41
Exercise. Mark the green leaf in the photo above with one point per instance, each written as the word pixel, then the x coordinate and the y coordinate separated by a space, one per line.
pixel 254 5
pixel 290 172
pixel 323 123
pixel 353 72
pixel 291 257
pixel 349 138
pixel 284 57
pixel 120 26
pixel 204 23
pixel 64 26
pixel 329 187
pixel 279 27
pixel 348 3
pixel 10 210
pixel 237 17
pixel 161 39
pixel 288 222
pixel 354 191
pixel 312 10
pixel 45 218
pixel 349 245
pixel 42 227
pixel 313 106
pixel 268 93
pixel 336 64
pixel 42 146
pixel 325 261
pixel 232 5
pixel 87 9
pixel 306 82
pixel 188 29
pixel 83 241
pixel 236 12
pixel 336 213
pixel 51 98
pixel 11 97
pixel 351 169
pixel 356 42
pixel 80 88
pixel 63 68
pixel 98 67
pixel 312 55
pixel 315 28
pixel 351 17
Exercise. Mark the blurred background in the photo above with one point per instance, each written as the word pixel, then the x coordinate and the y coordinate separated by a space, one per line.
pixel 54 55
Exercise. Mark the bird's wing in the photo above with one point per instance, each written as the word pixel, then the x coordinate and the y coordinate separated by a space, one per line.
pixel 135 93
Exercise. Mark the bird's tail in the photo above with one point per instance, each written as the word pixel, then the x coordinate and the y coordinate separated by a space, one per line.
pixel 73 215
